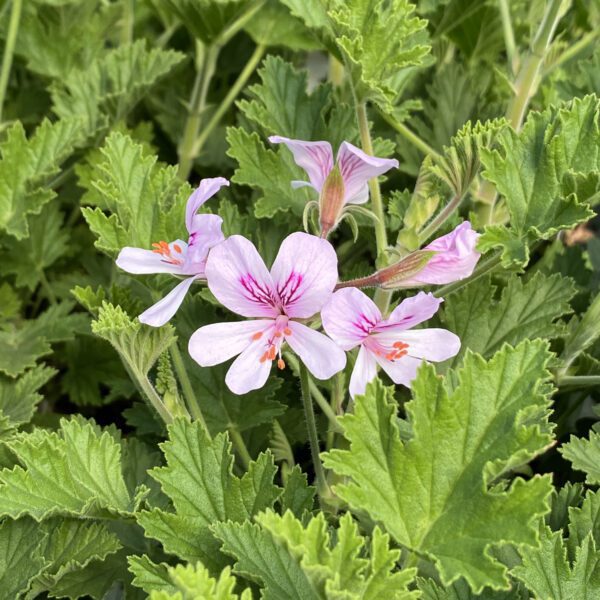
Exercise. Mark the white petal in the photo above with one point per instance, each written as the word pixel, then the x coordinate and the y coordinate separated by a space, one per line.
pixel 247 372
pixel 161 312
pixel 365 370
pixel 146 262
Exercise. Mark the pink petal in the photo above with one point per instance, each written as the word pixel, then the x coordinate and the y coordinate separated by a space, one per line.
pixel 239 279
pixel 357 168
pixel 207 235
pixel 401 371
pixel 213 344
pixel 164 309
pixel 247 372
pixel 412 311
pixel 304 274
pixel 435 345
pixel 145 262
pixel 349 316
pixel 365 370
pixel 206 189
pixel 322 356
pixel 455 259
pixel 316 158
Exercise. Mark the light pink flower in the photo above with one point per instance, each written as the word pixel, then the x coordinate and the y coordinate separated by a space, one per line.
pixel 178 258
pixel 300 282
pixel 455 258
pixel 352 319
pixel 356 167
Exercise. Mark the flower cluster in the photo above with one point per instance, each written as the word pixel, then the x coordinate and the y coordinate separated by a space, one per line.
pixel 283 306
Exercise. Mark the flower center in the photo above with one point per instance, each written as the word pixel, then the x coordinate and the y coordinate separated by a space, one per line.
pixel 166 252
pixel 274 343
pixel 392 353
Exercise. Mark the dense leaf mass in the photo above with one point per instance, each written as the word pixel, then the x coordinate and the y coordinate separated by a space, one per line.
pixel 299 299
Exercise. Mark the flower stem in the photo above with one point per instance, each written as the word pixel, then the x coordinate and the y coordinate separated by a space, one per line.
pixel 127 21
pixel 146 389
pixel 235 89
pixel 9 49
pixel 572 51
pixel 186 386
pixel 207 60
pixel 313 438
pixel 337 400
pixel 47 287
pixel 440 219
pixel 410 136
pixel 240 446
pixel 578 381
pixel 509 35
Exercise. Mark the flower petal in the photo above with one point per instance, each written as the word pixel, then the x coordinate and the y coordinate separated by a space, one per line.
pixel 349 316
pixel 164 309
pixel 207 189
pixel 239 279
pixel 316 158
pixel 322 356
pixel 247 372
pixel 401 371
pixel 412 311
pixel 357 168
pixel 146 262
pixel 455 259
pixel 304 274
pixel 433 344
pixel 213 344
pixel 207 235
pixel 365 370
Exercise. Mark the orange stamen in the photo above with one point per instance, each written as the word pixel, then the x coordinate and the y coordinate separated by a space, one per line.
pixel 271 353
pixel 281 364
pixel 264 357
pixel 287 331
pixel 400 345
pixel 278 334
pixel 257 335
pixel 177 248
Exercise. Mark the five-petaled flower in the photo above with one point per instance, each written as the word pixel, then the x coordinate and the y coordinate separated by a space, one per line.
pixel 352 319
pixel 339 184
pixel 178 258
pixel 300 282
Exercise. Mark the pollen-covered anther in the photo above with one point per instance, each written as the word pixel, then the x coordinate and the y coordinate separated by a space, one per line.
pixel 257 335
pixel 287 331
pixel 281 364
pixel 164 250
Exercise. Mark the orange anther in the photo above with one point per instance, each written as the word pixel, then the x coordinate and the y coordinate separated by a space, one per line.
pixel 264 357
pixel 177 248
pixel 400 345
pixel 278 334
pixel 287 331
pixel 400 354
pixel 390 356
pixel 281 364
pixel 155 245
pixel 271 353
pixel 257 335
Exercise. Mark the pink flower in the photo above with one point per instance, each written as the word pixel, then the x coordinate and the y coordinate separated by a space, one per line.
pixel 300 282
pixel 339 184
pixel 455 258
pixel 352 319
pixel 178 258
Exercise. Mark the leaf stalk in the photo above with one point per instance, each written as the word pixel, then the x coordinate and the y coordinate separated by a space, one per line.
pixel 9 49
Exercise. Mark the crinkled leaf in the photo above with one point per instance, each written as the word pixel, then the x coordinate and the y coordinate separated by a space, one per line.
pixel 439 493
pixel 585 455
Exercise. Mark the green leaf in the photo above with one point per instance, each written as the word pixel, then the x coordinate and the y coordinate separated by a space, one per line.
pixel 19 398
pixel 526 309
pixel 298 497
pixel 378 40
pixel 26 169
pixel 198 478
pixel 548 574
pixel 583 520
pixel 75 471
pixel 531 171
pixel 109 87
pixel 443 494
pixel 585 455
pixel 150 576
pixel 146 199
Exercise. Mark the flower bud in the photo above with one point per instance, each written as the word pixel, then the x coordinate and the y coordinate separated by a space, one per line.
pixel 331 201
pixel 392 277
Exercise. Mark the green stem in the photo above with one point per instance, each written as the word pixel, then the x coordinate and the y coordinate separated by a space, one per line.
pixel 207 64
pixel 486 266
pixel 313 438
pixel 127 22
pixel 186 386
pixel 147 389
pixel 235 89
pixel 509 36
pixel 240 446
pixel 440 219
pixel 316 394
pixel 240 22
pixel 47 287
pixel 410 136
pixel 578 381
pixel 337 400
pixel 573 50
pixel 9 49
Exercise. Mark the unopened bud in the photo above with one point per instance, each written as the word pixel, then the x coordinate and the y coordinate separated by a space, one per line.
pixel 392 277
pixel 331 201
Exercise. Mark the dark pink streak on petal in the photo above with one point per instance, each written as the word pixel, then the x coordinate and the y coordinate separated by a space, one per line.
pixel 364 324
pixel 257 293
pixel 320 157
pixel 289 292
pixel 349 164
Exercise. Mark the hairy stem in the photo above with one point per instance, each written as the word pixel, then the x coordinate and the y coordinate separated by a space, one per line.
pixel 146 389
pixel 225 104
pixel 509 35
pixel 573 50
pixel 127 21
pixel 578 380
pixel 440 219
pixel 9 49
pixel 186 386
pixel 313 438
pixel 207 59
pixel 411 137
pixel 240 446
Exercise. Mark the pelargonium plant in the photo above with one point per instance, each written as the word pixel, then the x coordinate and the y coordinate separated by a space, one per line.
pixel 299 300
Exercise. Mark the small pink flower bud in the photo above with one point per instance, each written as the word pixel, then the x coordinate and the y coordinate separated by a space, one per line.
pixel 331 201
